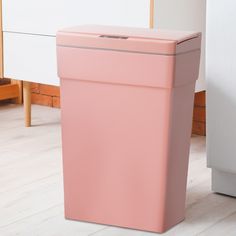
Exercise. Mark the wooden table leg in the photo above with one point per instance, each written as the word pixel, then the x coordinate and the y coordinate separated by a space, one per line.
pixel 27 103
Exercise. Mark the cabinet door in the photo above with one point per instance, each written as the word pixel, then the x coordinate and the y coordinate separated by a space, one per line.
pixel 47 16
pixel 30 58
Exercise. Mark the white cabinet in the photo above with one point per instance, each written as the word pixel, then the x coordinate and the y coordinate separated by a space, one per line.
pixel 30 27
pixel 184 15
pixel 47 16
pixel 221 94
pixel 30 58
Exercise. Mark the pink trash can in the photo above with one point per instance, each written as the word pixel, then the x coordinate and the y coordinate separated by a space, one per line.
pixel 127 101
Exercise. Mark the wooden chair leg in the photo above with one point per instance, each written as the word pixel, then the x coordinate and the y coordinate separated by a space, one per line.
pixel 27 103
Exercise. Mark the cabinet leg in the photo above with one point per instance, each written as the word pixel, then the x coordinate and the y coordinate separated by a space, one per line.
pixel 19 99
pixel 27 103
pixel 152 10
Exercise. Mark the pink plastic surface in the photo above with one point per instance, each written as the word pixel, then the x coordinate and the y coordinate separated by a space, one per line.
pixel 138 33
pixel 139 40
pixel 126 127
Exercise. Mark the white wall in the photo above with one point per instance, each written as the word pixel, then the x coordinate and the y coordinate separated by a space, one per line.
pixel 184 15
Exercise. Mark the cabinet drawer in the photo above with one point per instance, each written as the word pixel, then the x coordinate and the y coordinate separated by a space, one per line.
pixel 47 16
pixel 30 58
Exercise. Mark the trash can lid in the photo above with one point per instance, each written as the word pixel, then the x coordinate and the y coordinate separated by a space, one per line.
pixel 129 39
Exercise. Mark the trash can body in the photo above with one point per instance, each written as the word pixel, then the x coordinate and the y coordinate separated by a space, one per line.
pixel 127 101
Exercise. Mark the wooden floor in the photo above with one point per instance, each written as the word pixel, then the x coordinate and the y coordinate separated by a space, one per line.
pixel 31 191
